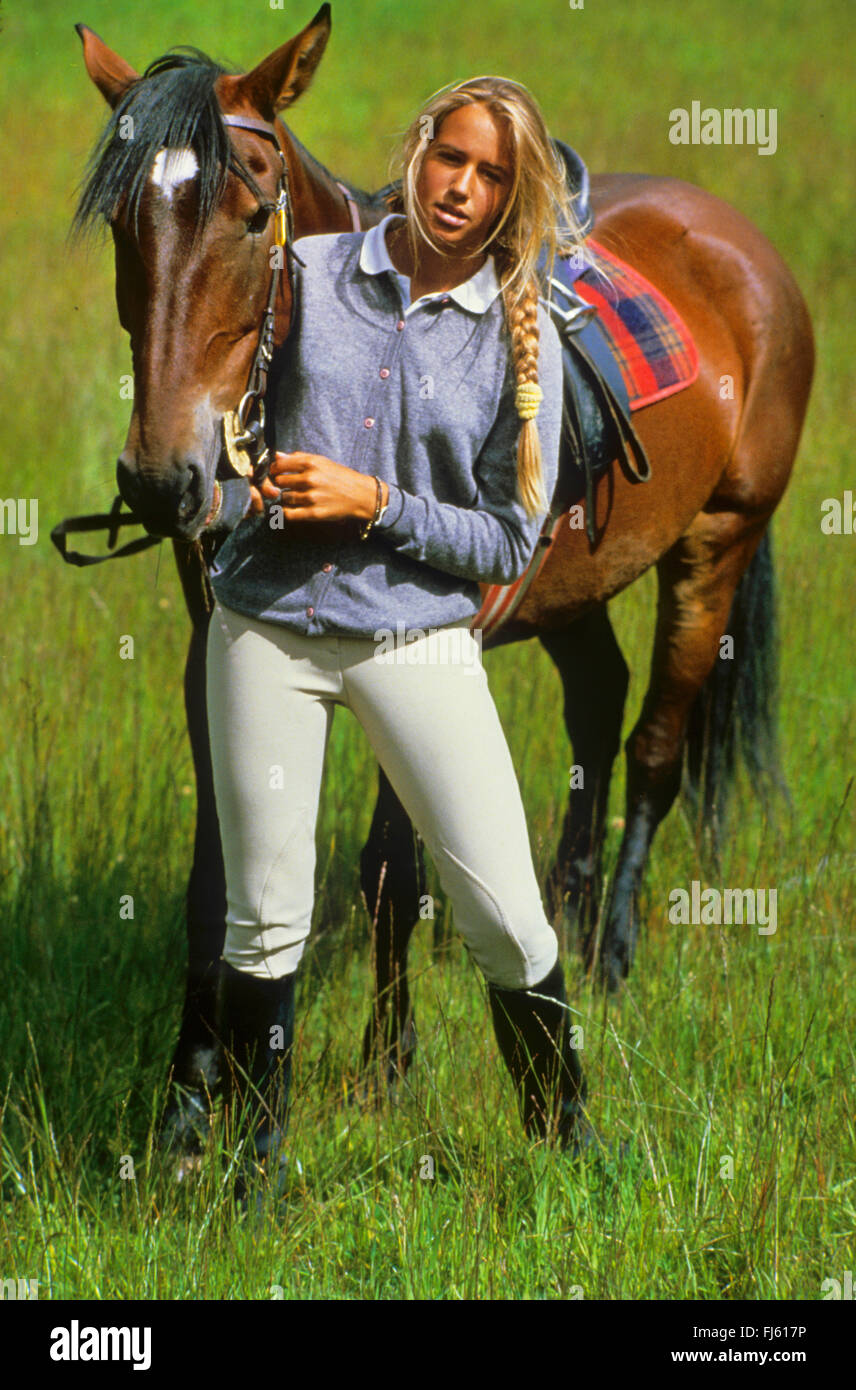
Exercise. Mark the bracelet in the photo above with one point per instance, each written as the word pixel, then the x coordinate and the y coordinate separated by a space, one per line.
pixel 380 508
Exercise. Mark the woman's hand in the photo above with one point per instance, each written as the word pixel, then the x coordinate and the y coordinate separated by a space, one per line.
pixel 310 487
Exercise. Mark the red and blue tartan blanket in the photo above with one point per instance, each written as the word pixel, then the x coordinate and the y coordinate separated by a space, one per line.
pixel 651 343
pixel 656 354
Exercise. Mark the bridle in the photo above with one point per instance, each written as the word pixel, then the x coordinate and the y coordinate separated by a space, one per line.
pixel 243 429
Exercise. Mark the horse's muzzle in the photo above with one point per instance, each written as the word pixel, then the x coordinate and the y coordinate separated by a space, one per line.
pixel 173 501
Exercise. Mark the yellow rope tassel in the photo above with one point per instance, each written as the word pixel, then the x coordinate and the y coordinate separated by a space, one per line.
pixel 527 398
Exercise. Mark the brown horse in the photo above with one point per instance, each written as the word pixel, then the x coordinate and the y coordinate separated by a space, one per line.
pixel 193 235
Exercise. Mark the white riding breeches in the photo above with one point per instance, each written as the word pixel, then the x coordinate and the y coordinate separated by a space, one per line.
pixel 432 723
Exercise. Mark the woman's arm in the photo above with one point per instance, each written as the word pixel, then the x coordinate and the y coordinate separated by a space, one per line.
pixel 490 541
pixel 493 540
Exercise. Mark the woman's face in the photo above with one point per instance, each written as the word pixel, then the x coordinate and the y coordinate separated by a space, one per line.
pixel 465 179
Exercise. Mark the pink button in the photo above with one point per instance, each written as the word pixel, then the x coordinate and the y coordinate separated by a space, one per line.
pixel 368 423
pixel 399 326
pixel 445 299
pixel 310 612
pixel 384 371
pixel 326 568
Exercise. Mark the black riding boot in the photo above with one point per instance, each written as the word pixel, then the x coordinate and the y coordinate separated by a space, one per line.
pixel 532 1028
pixel 257 1028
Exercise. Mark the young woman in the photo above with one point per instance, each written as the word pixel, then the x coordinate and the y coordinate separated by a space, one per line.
pixel 417 437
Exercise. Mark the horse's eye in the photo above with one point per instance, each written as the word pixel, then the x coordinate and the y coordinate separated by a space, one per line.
pixel 259 220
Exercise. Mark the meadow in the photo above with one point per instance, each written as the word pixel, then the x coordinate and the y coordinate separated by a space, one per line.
pixel 728 1059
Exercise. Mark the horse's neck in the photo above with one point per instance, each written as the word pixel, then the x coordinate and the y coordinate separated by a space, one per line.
pixel 318 201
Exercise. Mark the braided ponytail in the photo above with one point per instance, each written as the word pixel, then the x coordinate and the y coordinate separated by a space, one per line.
pixel 538 213
pixel 521 314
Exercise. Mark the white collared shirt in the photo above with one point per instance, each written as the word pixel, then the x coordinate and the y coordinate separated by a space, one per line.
pixel 476 294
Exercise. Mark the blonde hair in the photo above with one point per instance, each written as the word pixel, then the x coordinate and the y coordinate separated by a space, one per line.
pixel 538 211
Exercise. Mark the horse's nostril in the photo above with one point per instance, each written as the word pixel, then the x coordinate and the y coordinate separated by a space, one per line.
pixel 193 494
pixel 167 501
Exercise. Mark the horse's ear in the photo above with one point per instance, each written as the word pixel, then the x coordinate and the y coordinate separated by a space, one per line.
pixel 110 73
pixel 282 77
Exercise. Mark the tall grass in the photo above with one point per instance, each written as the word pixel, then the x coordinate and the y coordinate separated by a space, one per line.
pixel 724 1045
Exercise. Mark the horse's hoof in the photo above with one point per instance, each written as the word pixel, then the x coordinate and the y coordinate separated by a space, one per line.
pixel 588 950
pixel 580 910
pixel 613 972
pixel 187 1167
pixel 612 962
pixel 373 1091
pixel 260 1182
pixel 585 1143
pixel 186 1126
pixel 382 1076
pixel 363 1094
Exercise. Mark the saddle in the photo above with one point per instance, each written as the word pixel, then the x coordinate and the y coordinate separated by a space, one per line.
pixel 596 417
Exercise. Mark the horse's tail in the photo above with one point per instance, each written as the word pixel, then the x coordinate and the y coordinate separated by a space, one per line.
pixel 736 709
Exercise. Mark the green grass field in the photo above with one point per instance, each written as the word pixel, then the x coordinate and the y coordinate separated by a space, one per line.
pixel 725 1044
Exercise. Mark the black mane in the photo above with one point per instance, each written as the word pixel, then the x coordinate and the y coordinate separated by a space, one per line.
pixel 172 106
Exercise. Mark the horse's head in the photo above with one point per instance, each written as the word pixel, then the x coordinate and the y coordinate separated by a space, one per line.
pixel 190 202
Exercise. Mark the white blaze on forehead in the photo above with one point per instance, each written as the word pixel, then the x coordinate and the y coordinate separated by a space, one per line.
pixel 172 167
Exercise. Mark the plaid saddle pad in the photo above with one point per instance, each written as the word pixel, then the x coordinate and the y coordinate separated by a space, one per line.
pixel 656 355
pixel 652 345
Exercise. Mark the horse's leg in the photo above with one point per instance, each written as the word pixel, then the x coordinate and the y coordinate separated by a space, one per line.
pixel 392 874
pixel 195 1069
pixel 594 680
pixel 698 579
